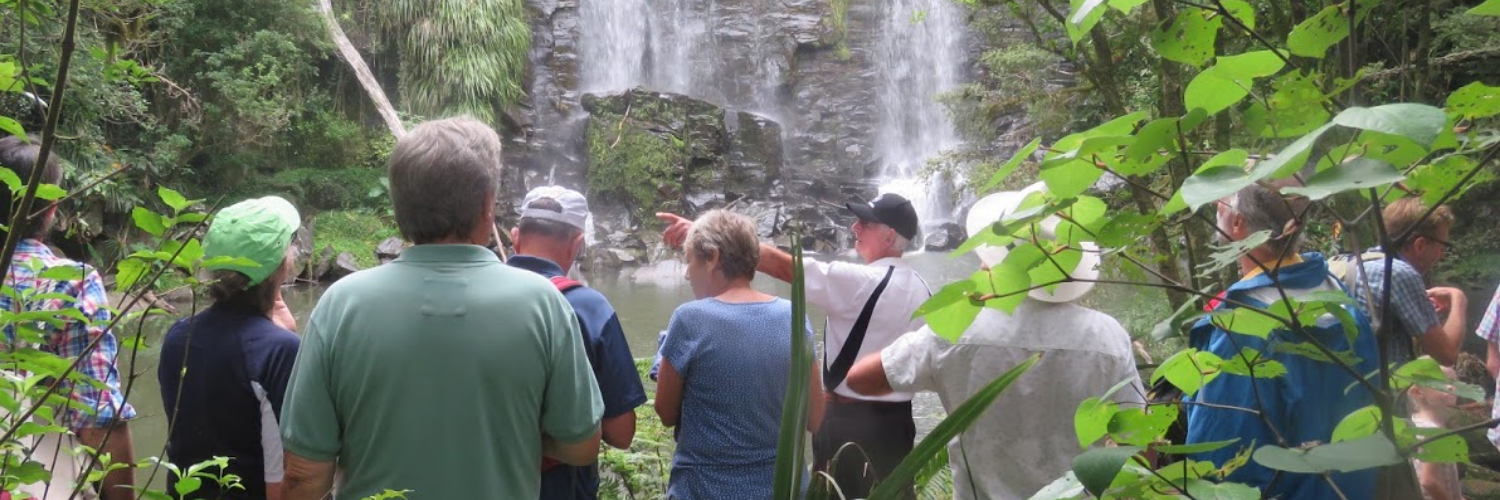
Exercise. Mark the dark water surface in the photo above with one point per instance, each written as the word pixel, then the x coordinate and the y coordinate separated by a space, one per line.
pixel 644 298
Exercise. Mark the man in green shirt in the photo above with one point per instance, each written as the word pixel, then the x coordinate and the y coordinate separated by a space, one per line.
pixel 446 372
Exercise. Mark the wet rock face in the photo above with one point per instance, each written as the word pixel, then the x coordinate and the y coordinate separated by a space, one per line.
pixel 945 237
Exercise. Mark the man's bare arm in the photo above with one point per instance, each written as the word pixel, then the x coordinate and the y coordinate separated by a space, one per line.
pixel 306 479
pixel 581 453
pixel 619 430
pixel 775 262
pixel 117 484
pixel 867 376
pixel 1444 341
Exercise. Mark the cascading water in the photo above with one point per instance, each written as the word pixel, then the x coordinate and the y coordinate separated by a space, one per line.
pixel 919 55
pixel 696 48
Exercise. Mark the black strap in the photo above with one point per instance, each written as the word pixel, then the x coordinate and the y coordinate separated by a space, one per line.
pixel 833 376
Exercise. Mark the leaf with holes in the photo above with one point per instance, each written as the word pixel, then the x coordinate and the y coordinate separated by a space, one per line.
pixel 1313 37
pixel 1352 175
pixel 1435 180
pixel 1446 450
pixel 1295 108
pixel 1475 100
pixel 1241 10
pixel 1141 427
pixel 1096 468
pixel 1155 145
pixel 1127 228
pixel 1365 453
pixel 1125 6
pixel 1188 39
pixel 1419 122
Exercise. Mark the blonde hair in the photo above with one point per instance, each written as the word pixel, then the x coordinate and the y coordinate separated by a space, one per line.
pixel 1406 215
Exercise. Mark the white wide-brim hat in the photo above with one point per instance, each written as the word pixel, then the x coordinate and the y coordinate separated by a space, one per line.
pixel 996 207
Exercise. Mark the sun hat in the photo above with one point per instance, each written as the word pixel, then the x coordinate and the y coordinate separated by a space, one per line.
pixel 258 230
pixel 996 207
pixel 575 208
pixel 890 209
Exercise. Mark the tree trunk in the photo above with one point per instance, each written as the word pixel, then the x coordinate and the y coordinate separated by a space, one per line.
pixel 362 71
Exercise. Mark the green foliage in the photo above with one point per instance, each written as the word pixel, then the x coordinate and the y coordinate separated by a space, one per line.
pixel 325 189
pixel 457 57
pixel 790 462
pixel 632 166
pixel 351 231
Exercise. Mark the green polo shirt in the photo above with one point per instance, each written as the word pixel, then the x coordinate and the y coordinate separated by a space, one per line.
pixel 438 373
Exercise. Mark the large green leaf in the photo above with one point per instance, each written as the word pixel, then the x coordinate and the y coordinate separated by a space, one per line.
pixel 1189 449
pixel 148 221
pixel 1446 450
pixel 1010 165
pixel 1475 100
pixel 1291 158
pixel 1091 421
pixel 1085 15
pixel 1419 122
pixel 787 484
pixel 1250 363
pixel 1096 468
pixel 1070 178
pixel 1351 175
pixel 1212 184
pixel 13 127
pixel 1241 10
pixel 1156 144
pixel 950 311
pixel 1313 37
pixel 1188 39
pixel 1209 490
pixel 957 422
pixel 1247 321
pixel 1189 370
pixel 1064 488
pixel 1488 8
pixel 1435 180
pixel 1295 108
pixel 1141 427
pixel 1359 424
pixel 1229 81
pixel 1365 453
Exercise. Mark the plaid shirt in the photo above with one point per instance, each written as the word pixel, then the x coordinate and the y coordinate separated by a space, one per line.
pixel 73 338
pixel 1412 312
pixel 1489 330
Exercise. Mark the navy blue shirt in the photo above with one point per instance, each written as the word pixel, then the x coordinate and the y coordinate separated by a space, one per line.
pixel 614 368
pixel 223 373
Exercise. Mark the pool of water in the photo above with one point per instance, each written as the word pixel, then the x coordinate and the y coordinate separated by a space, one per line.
pixel 644 298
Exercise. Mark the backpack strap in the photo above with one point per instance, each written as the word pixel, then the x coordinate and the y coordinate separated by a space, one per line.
pixel 834 375
pixel 563 284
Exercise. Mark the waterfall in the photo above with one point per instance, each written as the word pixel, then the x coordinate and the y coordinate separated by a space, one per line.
pixel 918 55
pixel 701 49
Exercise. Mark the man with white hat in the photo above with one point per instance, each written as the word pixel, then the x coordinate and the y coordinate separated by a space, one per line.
pixel 869 306
pixel 548 240
pixel 1025 440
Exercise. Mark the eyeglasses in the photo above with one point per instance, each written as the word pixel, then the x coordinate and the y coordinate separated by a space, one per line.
pixel 1446 245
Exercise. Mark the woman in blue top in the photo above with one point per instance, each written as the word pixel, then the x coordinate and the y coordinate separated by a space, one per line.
pixel 724 368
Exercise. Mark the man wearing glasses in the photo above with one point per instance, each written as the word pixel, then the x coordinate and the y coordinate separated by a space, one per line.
pixel 1415 315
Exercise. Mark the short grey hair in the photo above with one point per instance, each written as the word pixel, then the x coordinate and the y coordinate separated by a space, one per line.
pixel 734 236
pixel 900 244
pixel 441 174
pixel 1267 210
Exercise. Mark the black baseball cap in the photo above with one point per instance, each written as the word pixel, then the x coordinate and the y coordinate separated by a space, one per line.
pixel 890 209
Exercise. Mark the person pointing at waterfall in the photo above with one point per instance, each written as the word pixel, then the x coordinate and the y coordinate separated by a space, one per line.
pixel 869 306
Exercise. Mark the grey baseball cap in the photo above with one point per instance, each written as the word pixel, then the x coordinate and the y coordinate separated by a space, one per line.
pixel 575 208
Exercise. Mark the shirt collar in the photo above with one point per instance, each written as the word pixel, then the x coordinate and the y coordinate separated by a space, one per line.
pixel 889 261
pixel 33 245
pixel 1274 266
pixel 535 264
pixel 447 253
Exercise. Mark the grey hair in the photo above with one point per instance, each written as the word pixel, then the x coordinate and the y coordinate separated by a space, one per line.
pixel 734 236
pixel 442 174
pixel 1266 210
pixel 900 244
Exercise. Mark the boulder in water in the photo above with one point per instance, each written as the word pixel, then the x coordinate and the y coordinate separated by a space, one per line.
pixel 342 266
pixel 322 264
pixel 946 236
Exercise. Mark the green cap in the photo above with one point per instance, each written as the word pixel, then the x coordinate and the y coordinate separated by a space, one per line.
pixel 258 230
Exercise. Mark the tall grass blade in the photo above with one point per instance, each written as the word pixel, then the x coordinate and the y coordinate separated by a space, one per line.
pixel 965 415
pixel 790 465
